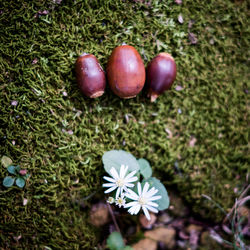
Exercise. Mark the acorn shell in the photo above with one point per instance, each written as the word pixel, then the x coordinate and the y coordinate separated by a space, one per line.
pixel 90 76
pixel 126 72
pixel 161 73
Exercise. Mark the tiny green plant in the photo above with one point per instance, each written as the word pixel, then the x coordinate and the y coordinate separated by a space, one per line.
pixel 115 242
pixel 19 176
pixel 131 184
pixel 235 220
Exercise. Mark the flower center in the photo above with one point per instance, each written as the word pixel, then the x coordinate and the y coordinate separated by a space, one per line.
pixel 120 183
pixel 111 200
pixel 142 201
pixel 120 201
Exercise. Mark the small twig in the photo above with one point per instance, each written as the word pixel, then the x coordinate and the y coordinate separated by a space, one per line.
pixel 215 203
pixel 113 218
pixel 244 192
pixel 242 201
pixel 237 203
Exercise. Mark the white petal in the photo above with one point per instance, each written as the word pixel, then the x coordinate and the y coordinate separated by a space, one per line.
pixel 132 179
pixel 129 184
pixel 137 209
pixel 152 209
pixel 118 192
pixel 139 188
pixel 131 204
pixel 132 195
pixel 131 210
pixel 123 171
pixel 108 184
pixel 145 189
pixel 154 198
pixel 114 173
pixel 151 192
pixel 146 212
pixel 130 175
pixel 110 189
pixel 153 204
pixel 108 179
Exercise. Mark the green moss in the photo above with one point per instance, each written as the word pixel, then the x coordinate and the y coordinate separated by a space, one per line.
pixel 213 107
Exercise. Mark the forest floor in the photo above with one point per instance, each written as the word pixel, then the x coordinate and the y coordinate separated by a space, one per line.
pixel 195 136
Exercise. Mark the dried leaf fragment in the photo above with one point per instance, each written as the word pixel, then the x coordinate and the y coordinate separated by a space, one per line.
pixel 145 244
pixel 99 214
pixel 192 142
pixel 192 38
pixel 178 1
pixel 180 19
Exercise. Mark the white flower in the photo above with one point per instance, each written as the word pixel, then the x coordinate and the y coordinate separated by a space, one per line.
pixel 120 201
pixel 110 200
pixel 142 200
pixel 121 182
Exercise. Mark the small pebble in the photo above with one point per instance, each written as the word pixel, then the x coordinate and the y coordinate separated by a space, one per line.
pixel 179 111
pixel 65 93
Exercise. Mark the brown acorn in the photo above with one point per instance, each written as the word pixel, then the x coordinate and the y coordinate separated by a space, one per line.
pixel 90 76
pixel 161 73
pixel 126 71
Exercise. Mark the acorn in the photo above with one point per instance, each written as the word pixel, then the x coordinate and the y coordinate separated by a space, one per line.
pixel 161 73
pixel 126 72
pixel 90 76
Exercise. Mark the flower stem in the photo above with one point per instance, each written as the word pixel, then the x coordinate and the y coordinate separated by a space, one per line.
pixel 113 218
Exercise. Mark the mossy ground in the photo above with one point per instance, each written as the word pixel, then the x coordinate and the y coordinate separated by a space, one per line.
pixel 65 168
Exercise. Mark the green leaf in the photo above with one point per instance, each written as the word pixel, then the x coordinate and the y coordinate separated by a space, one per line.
pixel 164 201
pixel 115 241
pixel 145 168
pixel 128 248
pixel 8 181
pixel 116 158
pixel 20 182
pixel 18 168
pixel 25 177
pixel 6 161
pixel 11 169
